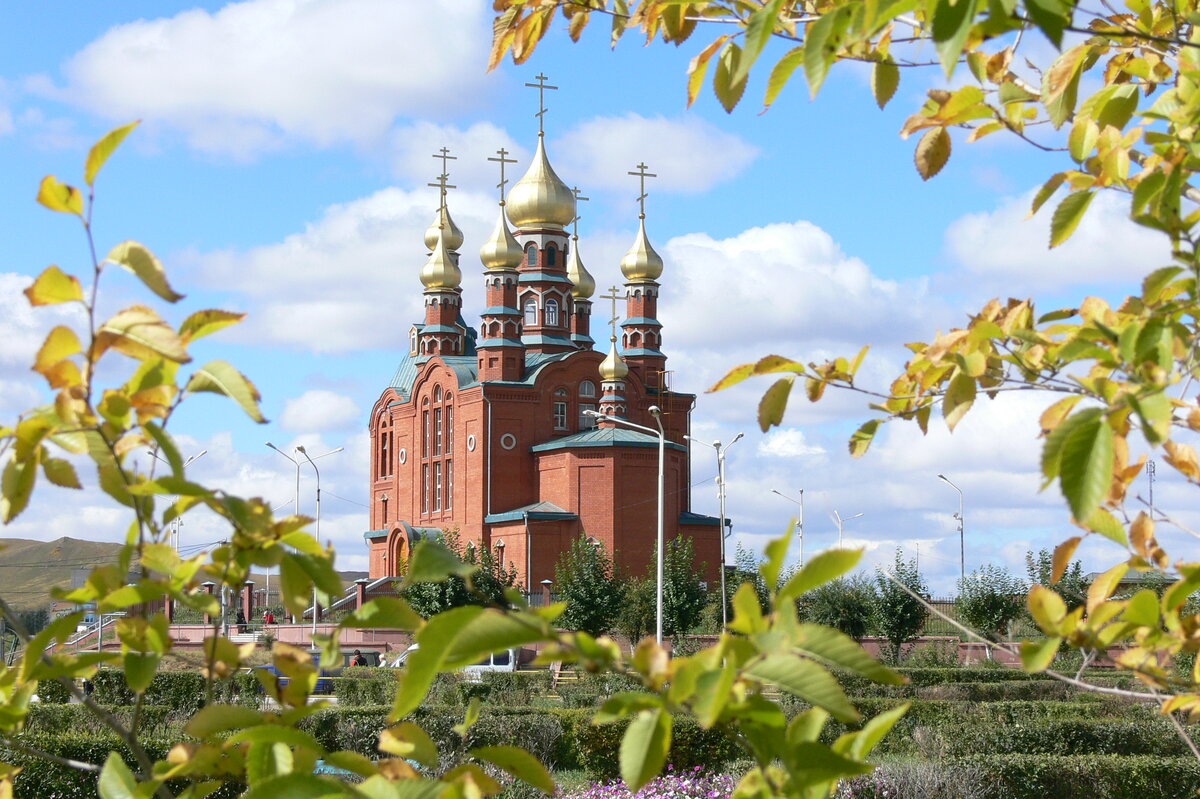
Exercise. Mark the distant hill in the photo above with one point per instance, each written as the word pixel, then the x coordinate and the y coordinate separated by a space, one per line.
pixel 29 569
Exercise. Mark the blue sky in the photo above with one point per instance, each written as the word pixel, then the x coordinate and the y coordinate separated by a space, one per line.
pixel 281 169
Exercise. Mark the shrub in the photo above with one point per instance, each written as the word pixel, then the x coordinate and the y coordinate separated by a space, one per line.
pixel 989 599
pixel 50 719
pixel 52 692
pixel 598 747
pixel 360 686
pixel 916 781
pixel 1060 737
pixel 181 691
pixel 590 690
pixel 847 604
pixel 1093 777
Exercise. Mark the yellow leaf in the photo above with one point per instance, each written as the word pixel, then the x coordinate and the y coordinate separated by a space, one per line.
pixel 54 286
pixel 1104 585
pixel 1183 458
pixel 1062 557
pixel 933 151
pixel 139 333
pixel 102 149
pixel 141 262
pixel 1054 415
pixel 60 343
pixel 1047 608
pixel 60 197
pixel 1141 535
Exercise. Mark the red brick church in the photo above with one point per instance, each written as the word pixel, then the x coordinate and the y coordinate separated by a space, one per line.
pixel 484 429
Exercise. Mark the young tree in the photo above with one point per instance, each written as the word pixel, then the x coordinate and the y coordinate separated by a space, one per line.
pixel 900 616
pixel 637 616
pixel 684 596
pixel 1072 586
pixel 485 585
pixel 846 604
pixel 989 600
pixel 587 581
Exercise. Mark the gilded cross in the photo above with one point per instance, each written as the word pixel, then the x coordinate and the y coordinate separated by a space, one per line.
pixel 641 175
pixel 541 86
pixel 502 161
pixel 575 222
pixel 614 296
pixel 440 182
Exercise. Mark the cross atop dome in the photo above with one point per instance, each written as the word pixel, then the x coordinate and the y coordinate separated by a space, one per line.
pixel 541 86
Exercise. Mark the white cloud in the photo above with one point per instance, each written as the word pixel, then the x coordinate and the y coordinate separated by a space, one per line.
pixel 1006 249
pixel 788 443
pixel 349 280
pixel 23 327
pixel 688 154
pixel 318 410
pixel 244 78
pixel 414 145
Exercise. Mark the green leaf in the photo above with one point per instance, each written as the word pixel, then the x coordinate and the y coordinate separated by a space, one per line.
pixel 758 32
pixel 781 73
pixel 60 197
pixel 1107 525
pixel 140 668
pixel 54 286
pixel 1142 609
pixel 1052 449
pixel 136 258
pixel 296 786
pixel 729 92
pixel 61 473
pixel 835 648
pixel 960 396
pixel 885 79
pixel 1085 465
pixel 212 719
pixel 952 21
pixel 386 612
pixel 407 739
pixel 16 487
pixel 713 692
pixel 821 45
pixel 1084 135
pixel 776 552
pixel 1060 84
pixel 102 149
pixel 1051 17
pixel 1154 284
pixel 644 747
pixel 1068 215
pixel 469 717
pixel 874 730
pixel 520 764
pixel 219 377
pixel 116 780
pixel 932 153
pixel 1155 411
pixel 433 562
pixel 1047 191
pixel 774 402
pixel 805 679
pixel 1036 656
pixel 861 440
pixel 821 569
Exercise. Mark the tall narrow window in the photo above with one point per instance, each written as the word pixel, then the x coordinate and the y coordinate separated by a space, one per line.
pixel 551 313
pixel 437 431
pixel 384 454
pixel 449 484
pixel 530 312
pixel 383 505
pixel 586 422
pixel 437 486
pixel 425 438
pixel 587 389
pixel 551 255
pixel 560 416
pixel 449 427
pixel 531 255
pixel 425 488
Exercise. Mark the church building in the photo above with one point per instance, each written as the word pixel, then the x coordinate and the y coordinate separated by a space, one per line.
pixel 488 429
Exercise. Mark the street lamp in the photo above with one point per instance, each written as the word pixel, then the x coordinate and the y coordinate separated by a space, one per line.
pixel 177 522
pixel 962 549
pixel 837 517
pixel 662 446
pixel 799 502
pixel 318 471
pixel 295 506
pixel 716 445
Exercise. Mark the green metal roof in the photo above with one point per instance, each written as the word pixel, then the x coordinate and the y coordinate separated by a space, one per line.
pixel 605 437
pixel 538 511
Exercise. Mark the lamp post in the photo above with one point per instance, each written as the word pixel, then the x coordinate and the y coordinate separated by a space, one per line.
pixel 313 640
pixel 720 450
pixel 962 549
pixel 177 522
pixel 799 502
pixel 837 517
pixel 662 445
pixel 295 505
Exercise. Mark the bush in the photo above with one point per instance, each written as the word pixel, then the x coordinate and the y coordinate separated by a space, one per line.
pixel 50 719
pixel 599 747
pixel 360 686
pixel 181 691
pixel 590 690
pixel 846 604
pixel 916 781
pixel 1060 737
pixel 1092 777
pixel 52 692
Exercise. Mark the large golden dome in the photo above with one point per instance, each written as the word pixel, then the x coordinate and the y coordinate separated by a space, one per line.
pixel 613 366
pixel 585 284
pixel 541 199
pixel 442 221
pixel 440 271
pixel 501 250
pixel 641 264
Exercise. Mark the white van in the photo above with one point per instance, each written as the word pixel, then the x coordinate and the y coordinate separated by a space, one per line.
pixel 497 661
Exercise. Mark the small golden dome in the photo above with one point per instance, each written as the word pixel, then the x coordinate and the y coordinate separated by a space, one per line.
pixel 585 284
pixel 613 367
pixel 641 264
pixel 442 221
pixel 440 271
pixel 540 199
pixel 501 250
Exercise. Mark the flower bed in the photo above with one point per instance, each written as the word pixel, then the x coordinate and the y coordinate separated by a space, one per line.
pixel 674 784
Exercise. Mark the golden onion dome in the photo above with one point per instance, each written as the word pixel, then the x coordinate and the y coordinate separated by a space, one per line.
pixel 585 284
pixel 541 199
pixel 501 250
pixel 641 264
pixel 442 221
pixel 440 271
pixel 613 367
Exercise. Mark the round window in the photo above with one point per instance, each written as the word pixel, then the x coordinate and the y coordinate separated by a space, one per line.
pixel 471 443
pixel 508 441
pixel 403 455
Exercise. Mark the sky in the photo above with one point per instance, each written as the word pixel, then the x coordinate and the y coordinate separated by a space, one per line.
pixel 282 169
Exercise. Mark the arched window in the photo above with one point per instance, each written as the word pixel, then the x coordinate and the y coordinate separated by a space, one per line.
pixel 587 389
pixel 531 255
pixel 412 341
pixel 530 312
pixel 551 313
pixel 437 393
pixel 551 255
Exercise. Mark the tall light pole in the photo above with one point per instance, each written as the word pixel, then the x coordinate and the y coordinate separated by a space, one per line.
pixel 662 445
pixel 799 502
pixel 962 549
pixel 295 506
pixel 177 522
pixel 720 450
pixel 318 471
pixel 837 517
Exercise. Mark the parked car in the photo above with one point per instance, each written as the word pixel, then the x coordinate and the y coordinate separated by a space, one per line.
pixel 324 676
pixel 505 660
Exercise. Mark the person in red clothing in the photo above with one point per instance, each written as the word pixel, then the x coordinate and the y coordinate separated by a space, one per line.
pixel 268 618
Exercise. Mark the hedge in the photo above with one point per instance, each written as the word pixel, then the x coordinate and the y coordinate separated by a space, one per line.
pixel 52 692
pixel 590 690
pixel 157 721
pixel 182 691
pixel 1087 777
pixel 1060 737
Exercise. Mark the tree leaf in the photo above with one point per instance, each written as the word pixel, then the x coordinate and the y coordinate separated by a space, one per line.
pixel 885 79
pixel 861 440
pixel 952 21
pixel 1103 586
pixel 960 396
pixel 145 265
pixel 432 562
pixel 773 403
pixel 60 472
pixel 781 73
pixel 219 377
pixel 698 68
pixel 729 92
pixel 1051 17
pixel 102 149
pixel 139 333
pixel 806 680
pixel 821 569
pixel 295 786
pixel 644 747
pixel 205 323
pixel 54 286
pixel 758 32
pixel 407 739
pixel 60 197
pixel 835 648
pixel 520 764
pixel 932 153
pixel 1085 465
pixel 116 780
pixel 1062 557
pixel 1104 523
pixel 16 487
pixel 1036 656
pixel 821 45
pixel 1068 215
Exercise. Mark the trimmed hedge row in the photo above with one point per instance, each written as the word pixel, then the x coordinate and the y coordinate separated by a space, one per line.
pixel 1003 691
pixel 1092 777
pixel 181 691
pixel 1060 737
pixel 157 721
pixel 358 687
